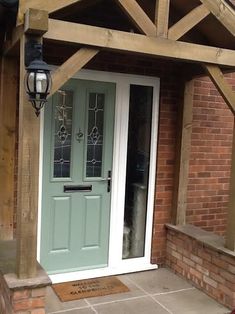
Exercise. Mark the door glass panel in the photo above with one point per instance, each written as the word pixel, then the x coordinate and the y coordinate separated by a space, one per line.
pixel 138 157
pixel 95 135
pixel 63 110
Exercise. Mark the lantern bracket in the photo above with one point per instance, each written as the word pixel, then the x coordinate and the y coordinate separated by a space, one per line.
pixel 33 51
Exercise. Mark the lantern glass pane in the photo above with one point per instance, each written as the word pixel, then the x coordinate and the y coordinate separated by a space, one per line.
pixel 41 82
pixel 30 82
pixel 49 82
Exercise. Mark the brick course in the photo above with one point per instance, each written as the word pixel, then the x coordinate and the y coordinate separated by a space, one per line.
pixel 210 159
pixel 22 301
pixel 209 270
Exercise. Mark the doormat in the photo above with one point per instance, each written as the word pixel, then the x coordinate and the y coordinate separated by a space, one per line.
pixel 75 290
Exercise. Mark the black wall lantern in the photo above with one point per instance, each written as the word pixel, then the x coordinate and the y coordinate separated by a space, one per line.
pixel 38 77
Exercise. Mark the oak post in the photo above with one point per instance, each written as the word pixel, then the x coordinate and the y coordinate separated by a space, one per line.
pixel 230 232
pixel 8 103
pixel 183 157
pixel 28 174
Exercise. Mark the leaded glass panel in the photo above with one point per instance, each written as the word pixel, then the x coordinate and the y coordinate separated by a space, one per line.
pixel 95 135
pixel 63 134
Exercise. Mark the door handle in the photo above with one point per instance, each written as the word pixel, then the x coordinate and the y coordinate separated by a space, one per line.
pixel 79 136
pixel 108 179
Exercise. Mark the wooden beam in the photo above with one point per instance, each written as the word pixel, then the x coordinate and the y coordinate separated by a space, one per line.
pixel 36 22
pixel 8 106
pixel 230 232
pixel 27 187
pixel 162 17
pixel 74 33
pixel 188 22
pixel 222 85
pixel 138 16
pixel 11 43
pixel 183 157
pixel 223 12
pixel 49 6
pixel 71 67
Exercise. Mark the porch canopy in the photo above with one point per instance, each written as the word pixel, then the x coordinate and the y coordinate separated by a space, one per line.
pixel 197 32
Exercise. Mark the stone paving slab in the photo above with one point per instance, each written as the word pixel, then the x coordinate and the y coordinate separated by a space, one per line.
pixel 158 291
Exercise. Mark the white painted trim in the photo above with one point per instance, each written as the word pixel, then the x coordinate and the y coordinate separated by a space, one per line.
pixel 101 272
pixel 115 263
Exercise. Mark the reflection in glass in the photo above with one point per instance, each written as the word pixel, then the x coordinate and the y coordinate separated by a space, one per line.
pixel 138 156
pixel 63 133
pixel 95 135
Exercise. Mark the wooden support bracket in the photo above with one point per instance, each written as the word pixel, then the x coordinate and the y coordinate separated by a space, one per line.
pixel 71 67
pixel 138 16
pixel 222 85
pixel 223 12
pixel 188 22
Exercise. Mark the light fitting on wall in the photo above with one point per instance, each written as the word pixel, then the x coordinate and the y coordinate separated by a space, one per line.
pixel 38 77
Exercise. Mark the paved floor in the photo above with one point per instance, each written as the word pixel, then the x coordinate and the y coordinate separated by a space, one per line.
pixel 159 291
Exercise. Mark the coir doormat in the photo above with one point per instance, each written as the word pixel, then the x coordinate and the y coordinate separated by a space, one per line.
pixel 88 288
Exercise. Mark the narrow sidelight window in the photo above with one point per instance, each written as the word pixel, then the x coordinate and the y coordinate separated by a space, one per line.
pixel 137 177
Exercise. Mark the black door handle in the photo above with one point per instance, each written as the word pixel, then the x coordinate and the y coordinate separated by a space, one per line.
pixel 109 181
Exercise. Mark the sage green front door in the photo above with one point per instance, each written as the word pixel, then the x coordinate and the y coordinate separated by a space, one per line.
pixel 76 189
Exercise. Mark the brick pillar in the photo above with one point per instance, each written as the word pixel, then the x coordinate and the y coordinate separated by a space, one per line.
pixel 21 300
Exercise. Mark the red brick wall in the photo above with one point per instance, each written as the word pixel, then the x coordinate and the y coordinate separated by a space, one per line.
pixel 170 96
pixel 209 270
pixel 21 301
pixel 210 158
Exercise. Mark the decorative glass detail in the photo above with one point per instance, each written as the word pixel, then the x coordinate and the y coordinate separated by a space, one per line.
pixel 62 135
pixel 95 135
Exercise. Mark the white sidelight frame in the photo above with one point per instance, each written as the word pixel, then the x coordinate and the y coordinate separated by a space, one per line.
pixel 116 265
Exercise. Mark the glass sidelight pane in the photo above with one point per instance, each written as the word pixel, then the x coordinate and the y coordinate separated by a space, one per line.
pixel 95 135
pixel 138 157
pixel 63 110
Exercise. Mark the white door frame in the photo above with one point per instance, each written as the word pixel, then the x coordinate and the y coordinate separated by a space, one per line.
pixel 115 263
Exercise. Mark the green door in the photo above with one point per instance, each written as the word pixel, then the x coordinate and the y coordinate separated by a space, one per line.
pixel 77 163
